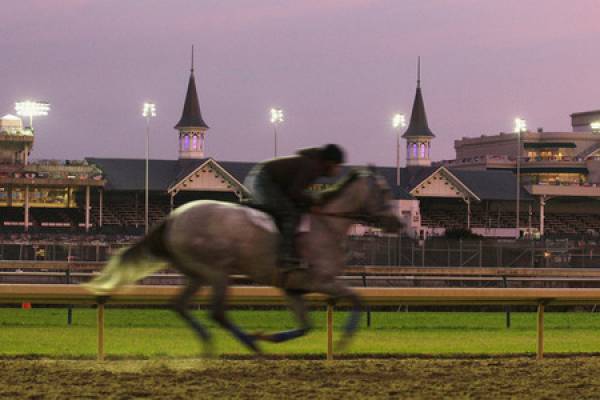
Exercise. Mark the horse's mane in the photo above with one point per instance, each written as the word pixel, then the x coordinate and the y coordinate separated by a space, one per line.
pixel 337 188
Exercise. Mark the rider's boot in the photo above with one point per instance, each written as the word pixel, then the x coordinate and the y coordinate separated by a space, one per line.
pixel 288 258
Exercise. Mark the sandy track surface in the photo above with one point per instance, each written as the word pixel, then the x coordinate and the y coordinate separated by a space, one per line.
pixel 520 378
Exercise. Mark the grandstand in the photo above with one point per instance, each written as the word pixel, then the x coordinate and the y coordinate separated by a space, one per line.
pixel 560 173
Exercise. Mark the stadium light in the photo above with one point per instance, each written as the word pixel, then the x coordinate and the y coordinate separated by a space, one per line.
pixel 276 119
pixel 148 111
pixel 520 127
pixel 595 126
pixel 32 109
pixel 398 122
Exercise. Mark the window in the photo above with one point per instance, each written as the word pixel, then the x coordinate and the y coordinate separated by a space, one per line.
pixel 186 143
pixel 415 150
pixel 194 142
pixel 422 150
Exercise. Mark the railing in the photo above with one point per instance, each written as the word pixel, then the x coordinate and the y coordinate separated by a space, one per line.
pixel 252 295
pixel 367 250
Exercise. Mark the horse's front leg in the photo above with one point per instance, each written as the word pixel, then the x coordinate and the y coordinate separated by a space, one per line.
pixel 338 291
pixel 298 307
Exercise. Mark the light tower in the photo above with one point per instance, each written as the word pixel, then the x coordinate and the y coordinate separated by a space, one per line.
pixel 32 109
pixel 149 111
pixel 398 122
pixel 520 128
pixel 191 126
pixel 276 119
pixel 418 135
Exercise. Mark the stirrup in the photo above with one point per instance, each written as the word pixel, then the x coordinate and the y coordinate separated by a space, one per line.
pixel 288 264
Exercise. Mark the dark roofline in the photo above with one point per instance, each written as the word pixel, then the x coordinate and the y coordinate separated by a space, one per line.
pixel 584 113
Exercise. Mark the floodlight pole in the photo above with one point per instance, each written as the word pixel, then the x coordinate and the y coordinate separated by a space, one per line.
pixel 275 140
pixel 276 118
pixel 398 122
pixel 146 174
pixel 520 127
pixel 149 111
pixel 518 181
pixel 397 157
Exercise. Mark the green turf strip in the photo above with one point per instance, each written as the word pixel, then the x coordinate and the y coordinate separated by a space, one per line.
pixel 151 333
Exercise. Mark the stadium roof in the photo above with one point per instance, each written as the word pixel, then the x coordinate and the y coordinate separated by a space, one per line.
pixel 491 184
pixel 128 175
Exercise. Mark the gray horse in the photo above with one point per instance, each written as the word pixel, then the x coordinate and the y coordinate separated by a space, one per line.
pixel 208 241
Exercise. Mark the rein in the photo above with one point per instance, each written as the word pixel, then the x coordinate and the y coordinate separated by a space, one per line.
pixel 345 215
pixel 359 215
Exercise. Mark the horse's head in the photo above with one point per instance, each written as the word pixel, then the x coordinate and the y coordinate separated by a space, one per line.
pixel 370 197
pixel 377 206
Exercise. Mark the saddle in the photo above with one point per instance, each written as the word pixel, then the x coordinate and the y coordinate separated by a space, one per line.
pixel 260 212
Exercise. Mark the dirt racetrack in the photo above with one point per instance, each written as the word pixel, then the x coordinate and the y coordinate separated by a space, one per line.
pixel 498 378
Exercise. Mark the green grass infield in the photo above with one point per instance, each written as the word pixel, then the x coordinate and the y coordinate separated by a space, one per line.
pixel 144 333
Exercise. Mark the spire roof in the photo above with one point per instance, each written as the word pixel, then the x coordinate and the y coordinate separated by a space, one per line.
pixel 191 117
pixel 418 126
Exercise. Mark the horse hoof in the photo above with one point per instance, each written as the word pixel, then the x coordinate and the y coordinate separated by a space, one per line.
pixel 343 343
pixel 257 336
pixel 209 352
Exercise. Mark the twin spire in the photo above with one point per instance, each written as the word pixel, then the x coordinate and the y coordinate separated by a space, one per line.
pixel 191 117
pixel 418 126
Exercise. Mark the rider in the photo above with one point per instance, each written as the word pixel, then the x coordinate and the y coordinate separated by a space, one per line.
pixel 279 186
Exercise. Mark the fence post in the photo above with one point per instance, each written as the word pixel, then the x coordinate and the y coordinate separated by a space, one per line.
pixel 480 253
pixel 70 306
pixel 364 279
pixel 506 308
pixel 100 325
pixel 329 331
pixel 540 331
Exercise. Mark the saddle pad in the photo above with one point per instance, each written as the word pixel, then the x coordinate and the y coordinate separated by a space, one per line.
pixel 266 222
pixel 261 219
pixel 304 225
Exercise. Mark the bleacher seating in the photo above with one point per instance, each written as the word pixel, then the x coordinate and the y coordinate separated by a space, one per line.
pixel 125 211
pixel 554 223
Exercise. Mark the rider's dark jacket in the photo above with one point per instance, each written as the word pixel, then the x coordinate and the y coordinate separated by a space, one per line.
pixel 294 174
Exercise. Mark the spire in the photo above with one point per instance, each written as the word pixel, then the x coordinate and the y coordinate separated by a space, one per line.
pixel 192 69
pixel 418 126
pixel 191 117
pixel 418 69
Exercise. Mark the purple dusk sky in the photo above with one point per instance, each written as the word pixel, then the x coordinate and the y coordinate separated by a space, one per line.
pixel 338 68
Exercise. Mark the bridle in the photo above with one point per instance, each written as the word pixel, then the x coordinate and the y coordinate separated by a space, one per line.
pixel 362 214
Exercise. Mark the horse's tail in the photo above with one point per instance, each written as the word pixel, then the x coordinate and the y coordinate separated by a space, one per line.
pixel 133 263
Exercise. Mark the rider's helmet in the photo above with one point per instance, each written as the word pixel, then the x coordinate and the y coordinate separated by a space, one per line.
pixel 333 153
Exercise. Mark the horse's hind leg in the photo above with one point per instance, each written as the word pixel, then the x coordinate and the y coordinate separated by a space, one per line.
pixel 181 307
pixel 218 314
pixel 298 307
